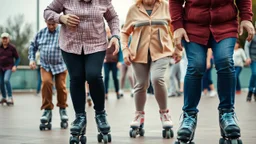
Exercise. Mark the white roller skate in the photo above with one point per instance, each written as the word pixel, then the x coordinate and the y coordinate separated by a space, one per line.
pixel 167 124
pixel 137 125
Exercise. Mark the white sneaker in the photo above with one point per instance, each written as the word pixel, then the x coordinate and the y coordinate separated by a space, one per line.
pixel 204 94
pixel 138 120
pixel 166 119
pixel 212 93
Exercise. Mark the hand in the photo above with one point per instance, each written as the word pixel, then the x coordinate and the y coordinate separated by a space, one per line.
pixel 70 20
pixel 178 35
pixel 208 65
pixel 32 65
pixel 247 25
pixel 118 65
pixel 177 55
pixel 114 41
pixel 248 61
pixel 128 56
pixel 14 68
pixel 105 60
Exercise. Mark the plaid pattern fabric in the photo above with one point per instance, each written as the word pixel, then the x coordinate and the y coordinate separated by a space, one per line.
pixel 50 54
pixel 90 35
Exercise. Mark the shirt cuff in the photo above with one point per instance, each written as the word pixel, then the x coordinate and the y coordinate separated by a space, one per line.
pixel 246 17
pixel 57 18
pixel 116 33
pixel 177 24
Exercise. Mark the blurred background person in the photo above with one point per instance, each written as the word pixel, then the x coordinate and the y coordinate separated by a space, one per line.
pixel 39 80
pixel 174 86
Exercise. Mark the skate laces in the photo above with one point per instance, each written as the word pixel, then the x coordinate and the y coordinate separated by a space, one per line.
pixel 188 121
pixel 229 118
pixel 165 117
pixel 138 115
pixel 63 112
pixel 101 118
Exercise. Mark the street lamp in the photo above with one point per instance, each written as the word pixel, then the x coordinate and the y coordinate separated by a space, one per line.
pixel 37 17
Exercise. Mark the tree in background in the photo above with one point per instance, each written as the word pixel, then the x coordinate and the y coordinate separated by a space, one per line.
pixel 21 33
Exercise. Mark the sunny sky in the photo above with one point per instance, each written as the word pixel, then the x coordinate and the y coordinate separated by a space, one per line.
pixel 28 8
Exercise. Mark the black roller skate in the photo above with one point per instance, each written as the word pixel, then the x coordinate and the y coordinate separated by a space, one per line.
pixel 167 124
pixel 249 97
pixel 187 129
pixel 103 127
pixel 46 120
pixel 10 102
pixel 77 130
pixel 64 118
pixel 137 125
pixel 230 131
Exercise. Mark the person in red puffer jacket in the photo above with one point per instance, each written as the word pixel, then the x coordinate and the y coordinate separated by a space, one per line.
pixel 197 25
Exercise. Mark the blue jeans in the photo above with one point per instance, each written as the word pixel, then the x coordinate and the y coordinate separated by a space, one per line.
pixel 252 84
pixel 238 71
pixel 223 59
pixel 5 82
pixel 39 80
pixel 111 66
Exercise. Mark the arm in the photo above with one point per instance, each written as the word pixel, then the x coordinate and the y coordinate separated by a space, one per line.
pixel 33 49
pixel 112 19
pixel 176 13
pixel 245 9
pixel 52 12
pixel 246 48
pixel 16 56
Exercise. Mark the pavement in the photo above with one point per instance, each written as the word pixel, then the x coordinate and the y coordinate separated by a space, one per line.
pixel 19 124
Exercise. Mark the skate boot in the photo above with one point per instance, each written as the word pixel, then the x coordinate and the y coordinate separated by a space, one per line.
pixel 46 120
pixel 229 128
pixel 77 129
pixel 132 92
pixel 167 124
pixel 10 102
pixel 137 125
pixel 103 127
pixel 121 93
pixel 3 101
pixel 187 128
pixel 64 118
pixel 89 100
pixel 118 96
pixel 249 97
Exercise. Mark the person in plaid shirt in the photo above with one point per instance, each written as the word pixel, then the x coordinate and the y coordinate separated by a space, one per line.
pixel 52 65
pixel 83 43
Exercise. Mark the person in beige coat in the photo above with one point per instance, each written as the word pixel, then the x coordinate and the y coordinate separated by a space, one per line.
pixel 149 54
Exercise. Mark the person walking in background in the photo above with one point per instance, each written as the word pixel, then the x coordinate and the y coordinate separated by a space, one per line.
pixel 52 66
pixel 149 54
pixel 126 70
pixel 174 88
pixel 183 68
pixel 207 84
pixel 250 50
pixel 198 25
pixel 39 80
pixel 8 52
pixel 112 63
pixel 83 43
pixel 239 60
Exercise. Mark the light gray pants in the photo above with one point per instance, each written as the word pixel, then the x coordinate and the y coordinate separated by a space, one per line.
pixel 141 72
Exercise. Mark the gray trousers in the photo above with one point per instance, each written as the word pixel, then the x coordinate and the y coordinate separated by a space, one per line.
pixel 141 73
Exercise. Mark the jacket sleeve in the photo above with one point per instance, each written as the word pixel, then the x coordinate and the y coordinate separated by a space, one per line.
pixel 245 9
pixel 33 49
pixel 112 19
pixel 176 13
pixel 52 12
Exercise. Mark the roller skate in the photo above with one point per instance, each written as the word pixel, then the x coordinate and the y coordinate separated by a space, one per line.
pixel 167 124
pixel 103 127
pixel 64 118
pixel 3 101
pixel 10 102
pixel 187 128
pixel 137 125
pixel 89 100
pixel 77 130
pixel 46 120
pixel 118 96
pixel 249 97
pixel 229 128
pixel 132 92
pixel 121 93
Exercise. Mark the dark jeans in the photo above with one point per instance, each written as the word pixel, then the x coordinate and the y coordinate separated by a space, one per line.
pixel 83 68
pixel 150 88
pixel 5 77
pixel 111 66
pixel 223 59
pixel 252 84
pixel 207 78
pixel 238 71
pixel 39 80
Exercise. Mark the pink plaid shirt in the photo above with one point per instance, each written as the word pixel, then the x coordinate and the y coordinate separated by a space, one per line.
pixel 90 35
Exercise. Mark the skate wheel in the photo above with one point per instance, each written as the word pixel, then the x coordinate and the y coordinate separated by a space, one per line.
pixel 172 133
pixel 64 125
pixel 99 137
pixel 164 133
pixel 49 126
pixel 192 142
pixel 222 141
pixel 109 138
pixel 74 140
pixel 177 142
pixel 142 132
pixel 83 139
pixel 105 139
pixel 133 133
